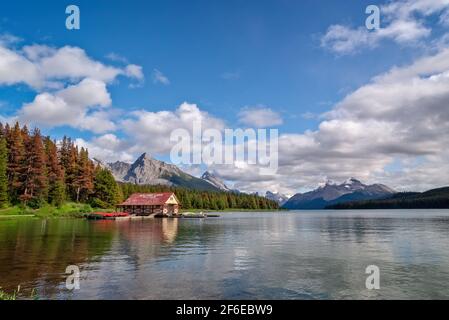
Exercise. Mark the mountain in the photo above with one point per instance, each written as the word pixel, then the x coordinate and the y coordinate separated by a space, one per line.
pixel 331 193
pixel 215 181
pixel 432 199
pixel 120 170
pixel 278 197
pixel 149 171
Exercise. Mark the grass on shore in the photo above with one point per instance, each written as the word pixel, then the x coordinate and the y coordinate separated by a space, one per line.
pixel 69 209
pixel 7 296
pixel 13 296
pixel 73 209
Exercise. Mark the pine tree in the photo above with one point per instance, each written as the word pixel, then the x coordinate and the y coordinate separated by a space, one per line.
pixel 84 176
pixel 187 203
pixel 207 203
pixel 56 187
pixel 231 201
pixel 16 162
pixel 106 191
pixel 25 133
pixel 3 172
pixel 36 183
pixel 221 204
pixel 64 153
pixel 70 159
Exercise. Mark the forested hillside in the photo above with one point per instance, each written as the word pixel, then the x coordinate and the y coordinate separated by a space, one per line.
pixel 432 199
pixel 195 199
pixel 34 171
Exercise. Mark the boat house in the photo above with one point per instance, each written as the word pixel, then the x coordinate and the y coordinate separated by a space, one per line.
pixel 146 204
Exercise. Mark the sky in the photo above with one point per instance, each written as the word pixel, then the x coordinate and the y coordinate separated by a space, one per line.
pixel 347 101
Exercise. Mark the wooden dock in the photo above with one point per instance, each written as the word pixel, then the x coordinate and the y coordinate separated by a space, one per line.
pixel 126 216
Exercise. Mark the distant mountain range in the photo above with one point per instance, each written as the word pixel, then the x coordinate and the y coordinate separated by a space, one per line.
pixel 432 199
pixel 149 171
pixel 332 193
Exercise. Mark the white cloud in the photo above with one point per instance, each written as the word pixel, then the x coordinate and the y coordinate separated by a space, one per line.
pixel 310 115
pixel 259 117
pixel 72 87
pixel 402 22
pixel 97 122
pixel 41 66
pixel 134 71
pixel 89 92
pixel 107 148
pixel 150 131
pixel 15 68
pixel 400 116
pixel 159 77
pixel 73 63
pixel 9 39
pixel 77 106
pixel 343 40
pixel 116 58
pixel 37 51
pixel 10 120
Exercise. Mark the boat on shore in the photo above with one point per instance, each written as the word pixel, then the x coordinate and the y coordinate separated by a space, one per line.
pixel 193 215
pixel 127 216
pixel 107 215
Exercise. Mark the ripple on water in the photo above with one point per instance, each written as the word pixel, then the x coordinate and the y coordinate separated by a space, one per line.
pixel 303 255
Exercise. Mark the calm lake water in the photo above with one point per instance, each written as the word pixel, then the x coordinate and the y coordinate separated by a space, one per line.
pixel 291 255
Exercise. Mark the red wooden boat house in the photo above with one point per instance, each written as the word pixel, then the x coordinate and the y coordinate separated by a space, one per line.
pixel 147 204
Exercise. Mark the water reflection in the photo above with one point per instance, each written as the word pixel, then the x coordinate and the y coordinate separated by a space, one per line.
pixel 303 255
pixel 36 252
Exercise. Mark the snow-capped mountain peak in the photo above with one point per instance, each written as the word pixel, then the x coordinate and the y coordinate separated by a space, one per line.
pixel 352 181
pixel 331 192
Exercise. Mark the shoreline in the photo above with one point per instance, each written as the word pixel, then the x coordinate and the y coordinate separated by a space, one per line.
pixel 77 210
pixel 28 213
pixel 233 210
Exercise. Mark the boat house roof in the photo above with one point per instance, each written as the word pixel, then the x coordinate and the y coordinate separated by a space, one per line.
pixel 149 199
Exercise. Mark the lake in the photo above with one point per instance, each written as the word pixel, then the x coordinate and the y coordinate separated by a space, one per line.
pixel 273 255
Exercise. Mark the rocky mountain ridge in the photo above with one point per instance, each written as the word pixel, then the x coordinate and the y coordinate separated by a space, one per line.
pixel 332 193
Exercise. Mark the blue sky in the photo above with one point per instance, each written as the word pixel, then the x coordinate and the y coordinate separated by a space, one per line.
pixel 225 56
pixel 271 47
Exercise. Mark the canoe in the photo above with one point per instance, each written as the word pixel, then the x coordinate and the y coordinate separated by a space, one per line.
pixel 107 215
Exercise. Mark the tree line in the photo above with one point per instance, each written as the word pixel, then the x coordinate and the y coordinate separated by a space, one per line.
pixel 36 170
pixel 210 200
pixel 432 199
